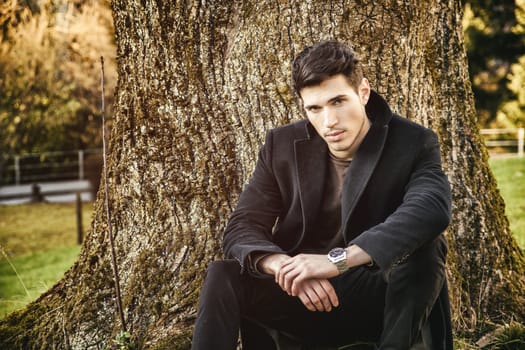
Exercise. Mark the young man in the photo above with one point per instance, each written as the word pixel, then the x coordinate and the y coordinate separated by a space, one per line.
pixel 337 238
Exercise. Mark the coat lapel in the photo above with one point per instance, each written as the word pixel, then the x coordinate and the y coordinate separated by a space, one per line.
pixel 366 157
pixel 311 155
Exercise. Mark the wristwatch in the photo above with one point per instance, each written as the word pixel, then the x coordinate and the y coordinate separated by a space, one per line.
pixel 338 257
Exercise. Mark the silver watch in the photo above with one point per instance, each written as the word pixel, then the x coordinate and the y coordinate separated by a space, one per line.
pixel 338 257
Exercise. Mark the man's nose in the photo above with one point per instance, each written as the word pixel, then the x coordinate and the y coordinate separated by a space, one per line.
pixel 330 118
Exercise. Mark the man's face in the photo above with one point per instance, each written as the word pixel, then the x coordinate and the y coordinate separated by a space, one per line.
pixel 337 112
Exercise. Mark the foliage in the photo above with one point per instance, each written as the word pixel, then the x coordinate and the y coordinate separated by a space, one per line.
pixel 123 342
pixel 494 40
pixel 51 78
pixel 12 13
pixel 507 337
pixel 512 113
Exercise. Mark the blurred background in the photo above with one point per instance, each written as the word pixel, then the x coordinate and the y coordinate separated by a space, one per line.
pixel 50 125
pixel 50 90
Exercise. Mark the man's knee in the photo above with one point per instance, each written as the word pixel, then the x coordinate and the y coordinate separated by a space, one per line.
pixel 223 268
pixel 222 273
pixel 222 285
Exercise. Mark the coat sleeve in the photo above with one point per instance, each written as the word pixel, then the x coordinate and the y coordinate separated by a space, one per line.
pixel 250 226
pixel 423 214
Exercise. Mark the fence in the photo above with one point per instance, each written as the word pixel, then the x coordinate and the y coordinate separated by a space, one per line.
pixel 72 165
pixel 46 167
pixel 505 141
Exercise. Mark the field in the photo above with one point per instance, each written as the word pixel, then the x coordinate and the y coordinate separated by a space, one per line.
pixel 39 240
pixel 510 173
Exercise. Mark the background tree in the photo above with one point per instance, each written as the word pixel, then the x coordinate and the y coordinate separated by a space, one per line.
pixel 49 58
pixel 199 83
pixel 512 112
pixel 495 41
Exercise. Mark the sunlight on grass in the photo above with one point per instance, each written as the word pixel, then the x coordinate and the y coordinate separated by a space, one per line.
pixel 510 174
pixel 39 240
pixel 38 272
pixel 29 228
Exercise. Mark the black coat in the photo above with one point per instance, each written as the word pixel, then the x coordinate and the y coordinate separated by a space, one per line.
pixel 395 197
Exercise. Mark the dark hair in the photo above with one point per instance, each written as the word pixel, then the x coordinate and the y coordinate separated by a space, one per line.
pixel 323 60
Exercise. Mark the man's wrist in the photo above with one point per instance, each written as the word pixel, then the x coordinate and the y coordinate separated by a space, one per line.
pixel 270 263
pixel 355 256
pixel 256 259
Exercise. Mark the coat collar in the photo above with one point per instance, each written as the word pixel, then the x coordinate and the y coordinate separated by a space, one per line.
pixel 378 110
pixel 311 155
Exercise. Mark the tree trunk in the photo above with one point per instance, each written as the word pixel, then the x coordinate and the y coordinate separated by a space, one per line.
pixel 199 84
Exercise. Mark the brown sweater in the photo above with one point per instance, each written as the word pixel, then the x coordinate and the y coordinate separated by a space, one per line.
pixel 328 224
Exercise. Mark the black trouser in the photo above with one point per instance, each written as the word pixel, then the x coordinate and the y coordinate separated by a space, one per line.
pixel 387 307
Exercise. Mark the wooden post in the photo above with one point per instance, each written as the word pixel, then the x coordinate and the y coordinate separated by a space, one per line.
pixel 36 194
pixel 81 165
pixel 17 170
pixel 79 218
pixel 521 142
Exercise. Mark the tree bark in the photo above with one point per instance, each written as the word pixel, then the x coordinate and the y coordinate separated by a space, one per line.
pixel 199 84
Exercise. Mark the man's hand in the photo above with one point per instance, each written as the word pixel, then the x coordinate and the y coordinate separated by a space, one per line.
pixel 294 271
pixel 315 294
pixel 306 275
pixel 318 295
pixel 290 272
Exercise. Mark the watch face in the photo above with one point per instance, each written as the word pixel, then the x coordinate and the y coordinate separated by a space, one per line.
pixel 337 254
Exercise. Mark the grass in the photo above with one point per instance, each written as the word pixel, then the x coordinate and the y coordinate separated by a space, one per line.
pixel 510 174
pixel 37 273
pixel 29 228
pixel 39 241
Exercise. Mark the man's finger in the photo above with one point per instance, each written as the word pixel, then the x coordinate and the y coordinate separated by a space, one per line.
pixel 306 301
pixel 289 279
pixel 281 274
pixel 296 284
pixel 313 301
pixel 323 295
pixel 330 292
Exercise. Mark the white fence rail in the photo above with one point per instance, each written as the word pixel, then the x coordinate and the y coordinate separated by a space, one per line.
pixel 71 165
pixel 44 167
pixel 505 139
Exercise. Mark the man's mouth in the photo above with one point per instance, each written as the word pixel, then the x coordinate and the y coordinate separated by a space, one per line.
pixel 334 135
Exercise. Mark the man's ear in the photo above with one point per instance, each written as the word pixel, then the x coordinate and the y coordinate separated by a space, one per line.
pixel 301 103
pixel 364 91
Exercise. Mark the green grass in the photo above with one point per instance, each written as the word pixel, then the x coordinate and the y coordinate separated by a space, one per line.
pixel 29 228
pixel 39 240
pixel 37 273
pixel 510 174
